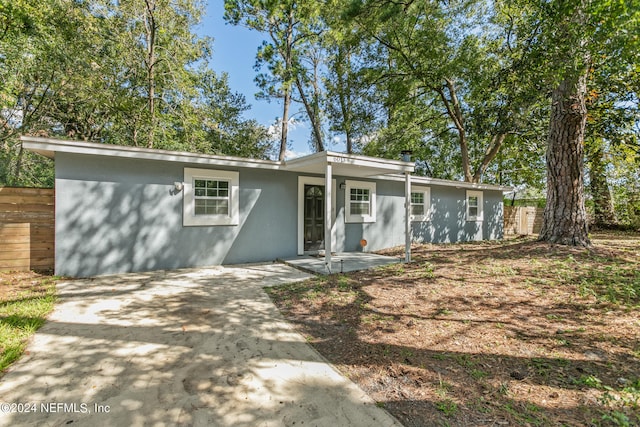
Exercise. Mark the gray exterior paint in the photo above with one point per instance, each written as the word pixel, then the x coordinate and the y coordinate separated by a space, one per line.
pixel 117 214
pixel 448 220
pixel 121 215
pixel 447 224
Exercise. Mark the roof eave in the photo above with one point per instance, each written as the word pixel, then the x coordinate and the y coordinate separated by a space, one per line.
pixel 48 147
pixel 423 180
pixel 358 163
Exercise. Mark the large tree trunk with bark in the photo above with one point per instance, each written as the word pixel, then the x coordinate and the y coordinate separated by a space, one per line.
pixel 565 217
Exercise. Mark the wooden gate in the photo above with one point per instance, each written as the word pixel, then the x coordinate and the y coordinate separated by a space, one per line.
pixel 522 220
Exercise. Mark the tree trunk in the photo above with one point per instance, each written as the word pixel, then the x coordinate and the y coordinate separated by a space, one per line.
pixel 312 113
pixel 287 56
pixel 285 124
pixel 15 179
pixel 345 106
pixel 489 155
pixel 150 26
pixel 452 104
pixel 565 218
pixel 602 203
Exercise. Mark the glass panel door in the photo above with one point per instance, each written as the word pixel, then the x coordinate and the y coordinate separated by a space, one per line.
pixel 313 217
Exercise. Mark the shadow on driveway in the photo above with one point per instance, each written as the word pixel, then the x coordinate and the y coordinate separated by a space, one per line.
pixel 187 347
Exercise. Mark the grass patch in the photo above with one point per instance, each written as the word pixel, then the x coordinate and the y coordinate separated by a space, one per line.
pixel 615 284
pixel 448 407
pixel 24 306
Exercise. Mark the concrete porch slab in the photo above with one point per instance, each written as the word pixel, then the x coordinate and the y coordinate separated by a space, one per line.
pixel 343 262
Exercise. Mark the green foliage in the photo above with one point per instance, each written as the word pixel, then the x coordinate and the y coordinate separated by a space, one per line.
pixel 448 407
pixel 612 283
pixel 441 83
pixel 539 203
pixel 624 179
pixel 289 62
pixel 623 404
pixel 84 70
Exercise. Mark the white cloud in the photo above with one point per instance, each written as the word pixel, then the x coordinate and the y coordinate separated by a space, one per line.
pixel 276 127
pixel 365 139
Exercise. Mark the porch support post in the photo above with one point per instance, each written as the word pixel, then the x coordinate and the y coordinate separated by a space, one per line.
pixel 328 191
pixel 407 217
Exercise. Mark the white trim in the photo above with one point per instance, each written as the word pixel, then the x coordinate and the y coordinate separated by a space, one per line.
pixel 341 159
pixel 426 191
pixel 312 180
pixel 48 147
pixel 480 213
pixel 328 215
pixel 189 218
pixel 407 217
pixel 343 164
pixel 357 218
pixel 424 180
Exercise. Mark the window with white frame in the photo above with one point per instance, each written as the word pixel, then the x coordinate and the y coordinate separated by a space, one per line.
pixel 474 205
pixel 210 197
pixel 360 201
pixel 420 203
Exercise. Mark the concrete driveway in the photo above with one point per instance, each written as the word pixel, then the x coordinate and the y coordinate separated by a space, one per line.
pixel 202 347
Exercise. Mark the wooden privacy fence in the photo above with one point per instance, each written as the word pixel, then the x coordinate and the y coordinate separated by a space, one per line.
pixel 27 228
pixel 522 220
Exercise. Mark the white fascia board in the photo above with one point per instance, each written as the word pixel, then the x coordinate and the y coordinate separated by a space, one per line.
pixel 423 180
pixel 318 161
pixel 48 147
pixel 370 162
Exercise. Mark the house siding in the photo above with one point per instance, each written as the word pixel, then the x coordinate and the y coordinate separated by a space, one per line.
pixel 447 222
pixel 122 215
pixel 117 214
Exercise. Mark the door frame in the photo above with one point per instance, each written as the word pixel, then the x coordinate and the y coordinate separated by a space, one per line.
pixel 312 180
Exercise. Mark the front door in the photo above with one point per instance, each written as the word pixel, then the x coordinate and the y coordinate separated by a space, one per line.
pixel 313 217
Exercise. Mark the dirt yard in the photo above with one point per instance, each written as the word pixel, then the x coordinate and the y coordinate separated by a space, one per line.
pixel 14 284
pixel 487 334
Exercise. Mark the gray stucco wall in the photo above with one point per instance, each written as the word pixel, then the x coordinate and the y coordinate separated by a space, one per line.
pixel 447 224
pixel 386 232
pixel 118 215
pixel 448 219
pixel 122 215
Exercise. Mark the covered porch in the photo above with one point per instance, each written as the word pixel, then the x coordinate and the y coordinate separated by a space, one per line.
pixel 330 165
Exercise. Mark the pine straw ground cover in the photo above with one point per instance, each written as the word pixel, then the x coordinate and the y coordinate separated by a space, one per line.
pixel 481 334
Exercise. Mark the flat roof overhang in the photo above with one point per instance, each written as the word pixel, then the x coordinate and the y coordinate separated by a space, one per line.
pixel 49 146
pixel 425 180
pixel 343 164
pixel 347 165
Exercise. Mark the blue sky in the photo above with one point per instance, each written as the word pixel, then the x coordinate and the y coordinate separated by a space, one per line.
pixel 234 52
